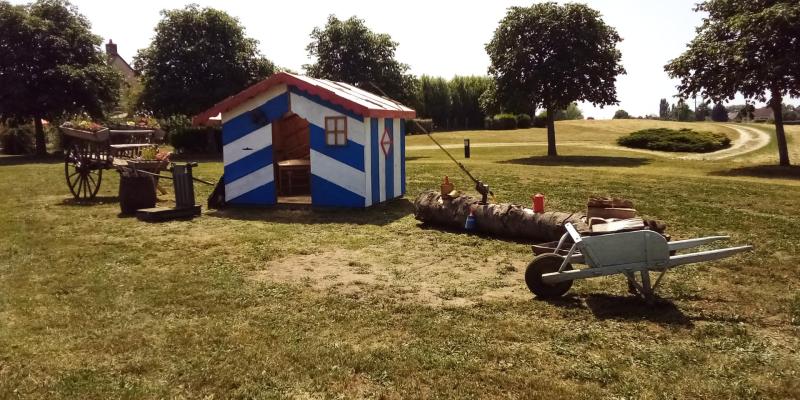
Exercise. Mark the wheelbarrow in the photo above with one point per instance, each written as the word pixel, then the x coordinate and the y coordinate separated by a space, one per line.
pixel 550 275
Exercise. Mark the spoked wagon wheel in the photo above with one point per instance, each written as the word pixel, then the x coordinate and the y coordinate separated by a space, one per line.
pixel 83 175
pixel 545 264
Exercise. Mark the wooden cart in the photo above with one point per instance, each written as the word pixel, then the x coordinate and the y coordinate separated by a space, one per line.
pixel 87 154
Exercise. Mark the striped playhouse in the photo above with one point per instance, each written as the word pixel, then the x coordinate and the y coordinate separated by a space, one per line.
pixel 295 139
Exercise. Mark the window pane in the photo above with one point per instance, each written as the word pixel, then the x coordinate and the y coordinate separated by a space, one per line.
pixel 330 139
pixel 341 139
pixel 340 124
pixel 330 124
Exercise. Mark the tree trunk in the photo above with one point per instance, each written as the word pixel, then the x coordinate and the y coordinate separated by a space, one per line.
pixel 780 134
pixel 551 132
pixel 503 220
pixel 41 144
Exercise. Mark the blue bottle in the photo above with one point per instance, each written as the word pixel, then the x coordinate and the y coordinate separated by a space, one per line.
pixel 470 223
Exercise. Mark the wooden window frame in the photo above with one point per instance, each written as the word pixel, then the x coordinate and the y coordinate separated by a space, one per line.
pixel 336 132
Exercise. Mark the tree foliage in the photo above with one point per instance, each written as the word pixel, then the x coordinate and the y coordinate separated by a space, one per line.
pixel 51 65
pixel 572 112
pixel 433 100
pixel 681 112
pixel 701 112
pixel 622 114
pixel 750 47
pixel 348 51
pixel 198 57
pixel 663 110
pixel 551 55
pixel 465 94
pixel 719 113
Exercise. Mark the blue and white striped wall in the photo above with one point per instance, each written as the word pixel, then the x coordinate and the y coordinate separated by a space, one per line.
pixel 356 175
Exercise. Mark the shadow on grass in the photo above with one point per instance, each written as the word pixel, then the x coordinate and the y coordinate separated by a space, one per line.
pixel 763 171
pixel 581 161
pixel 9 160
pixel 73 202
pixel 633 308
pixel 379 215
pixel 432 227
pixel 626 308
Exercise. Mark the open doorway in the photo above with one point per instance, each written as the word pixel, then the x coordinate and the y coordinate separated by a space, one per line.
pixel 291 149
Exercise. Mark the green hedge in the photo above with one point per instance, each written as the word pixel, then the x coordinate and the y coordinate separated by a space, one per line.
pixel 504 122
pixel 17 140
pixel 413 129
pixel 684 140
pixel 204 139
pixel 540 121
pixel 523 121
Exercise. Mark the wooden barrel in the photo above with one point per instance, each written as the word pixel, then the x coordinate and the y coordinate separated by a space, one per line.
pixel 135 193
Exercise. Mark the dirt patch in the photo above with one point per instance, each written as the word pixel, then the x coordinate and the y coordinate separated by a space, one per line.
pixel 430 279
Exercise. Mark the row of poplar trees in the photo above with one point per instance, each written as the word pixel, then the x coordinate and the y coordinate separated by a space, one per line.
pixel 545 56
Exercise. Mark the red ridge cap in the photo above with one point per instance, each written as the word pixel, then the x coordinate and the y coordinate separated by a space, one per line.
pixel 305 84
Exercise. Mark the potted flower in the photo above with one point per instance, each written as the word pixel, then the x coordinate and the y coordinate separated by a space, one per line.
pixel 84 128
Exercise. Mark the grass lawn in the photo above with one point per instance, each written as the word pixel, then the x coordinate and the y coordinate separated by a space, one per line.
pixel 368 304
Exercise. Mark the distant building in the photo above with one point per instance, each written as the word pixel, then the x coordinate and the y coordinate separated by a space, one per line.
pixel 128 73
pixel 763 114
pixel 733 116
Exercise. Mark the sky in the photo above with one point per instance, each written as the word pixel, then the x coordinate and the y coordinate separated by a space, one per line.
pixel 440 38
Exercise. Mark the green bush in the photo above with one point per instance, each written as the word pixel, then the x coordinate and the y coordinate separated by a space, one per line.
pixel 413 129
pixel 204 139
pixel 17 140
pixel 523 121
pixel 684 140
pixel 504 122
pixel 540 121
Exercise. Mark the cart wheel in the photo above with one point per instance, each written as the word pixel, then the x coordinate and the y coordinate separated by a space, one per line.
pixel 83 177
pixel 545 264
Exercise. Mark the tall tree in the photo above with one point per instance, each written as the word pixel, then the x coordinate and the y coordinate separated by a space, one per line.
pixel 434 100
pixel 348 51
pixel 663 110
pixel 682 112
pixel 51 66
pixel 701 112
pixel 750 47
pixel 719 113
pixel 551 55
pixel 465 94
pixel 197 58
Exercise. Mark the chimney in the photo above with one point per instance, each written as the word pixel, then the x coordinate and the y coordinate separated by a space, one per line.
pixel 111 48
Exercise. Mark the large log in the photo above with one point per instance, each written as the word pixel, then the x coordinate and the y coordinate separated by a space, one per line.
pixel 504 220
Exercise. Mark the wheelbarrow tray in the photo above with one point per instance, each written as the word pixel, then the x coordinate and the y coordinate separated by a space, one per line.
pixel 620 253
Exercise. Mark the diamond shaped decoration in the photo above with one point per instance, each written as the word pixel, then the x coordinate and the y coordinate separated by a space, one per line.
pixel 386 142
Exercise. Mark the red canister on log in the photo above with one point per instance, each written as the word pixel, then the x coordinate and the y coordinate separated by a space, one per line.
pixel 538 203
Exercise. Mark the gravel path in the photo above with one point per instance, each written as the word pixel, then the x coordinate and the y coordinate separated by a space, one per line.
pixel 750 139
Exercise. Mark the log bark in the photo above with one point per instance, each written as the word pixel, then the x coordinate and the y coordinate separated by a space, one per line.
pixel 504 220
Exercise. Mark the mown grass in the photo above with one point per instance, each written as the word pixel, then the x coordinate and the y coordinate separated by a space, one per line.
pixel 97 306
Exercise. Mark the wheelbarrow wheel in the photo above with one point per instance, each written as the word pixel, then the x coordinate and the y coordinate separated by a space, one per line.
pixel 545 264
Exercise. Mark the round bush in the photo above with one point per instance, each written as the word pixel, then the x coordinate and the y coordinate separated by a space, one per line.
pixel 683 140
pixel 523 121
pixel 504 122
pixel 540 121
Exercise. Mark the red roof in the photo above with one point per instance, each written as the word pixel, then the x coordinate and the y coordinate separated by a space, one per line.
pixel 348 96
